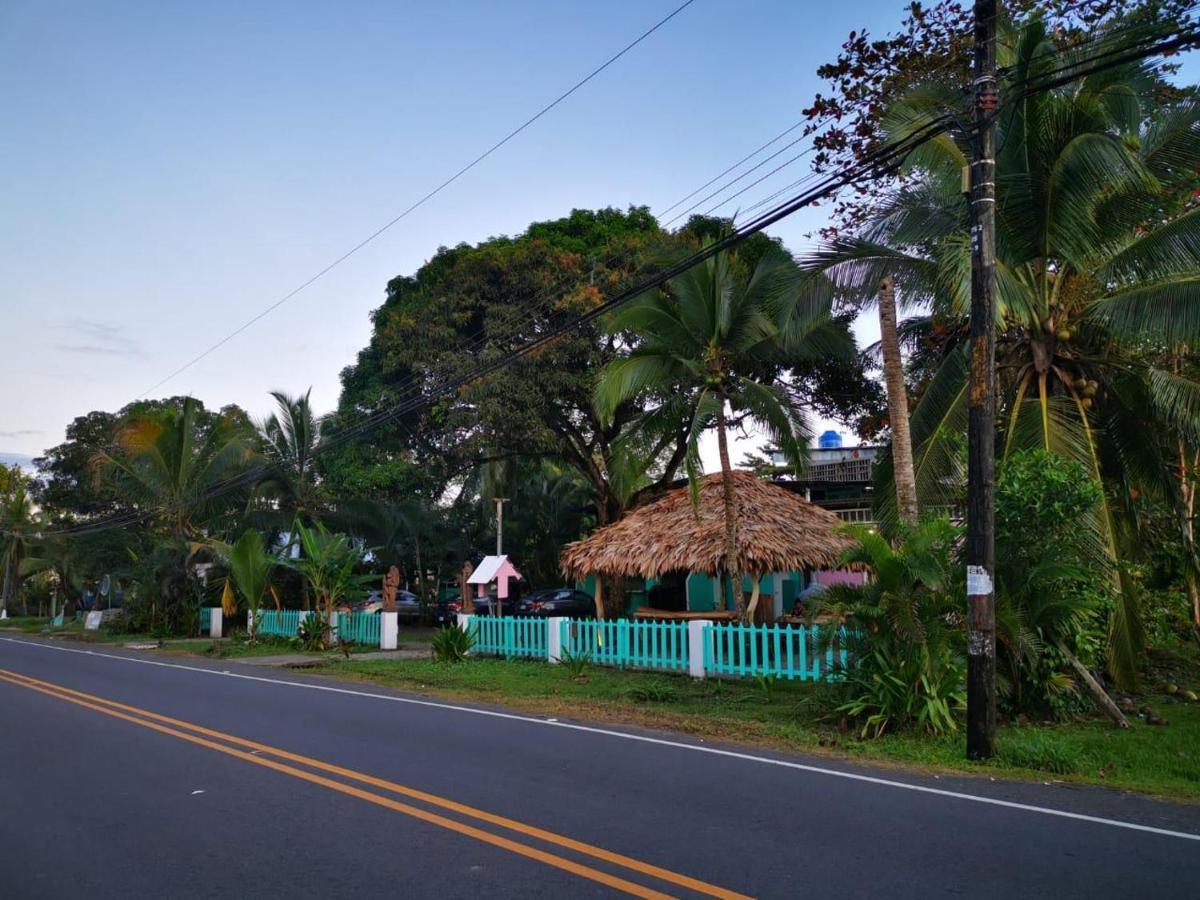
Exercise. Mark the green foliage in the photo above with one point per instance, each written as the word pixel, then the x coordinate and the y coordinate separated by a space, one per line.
pixel 451 645
pixel 481 301
pixel 166 596
pixel 922 687
pixel 767 684
pixel 654 692
pixel 1039 750
pixel 328 562
pixel 1097 267
pixel 250 568
pixel 1051 584
pixel 313 632
pixel 575 664
pixel 903 631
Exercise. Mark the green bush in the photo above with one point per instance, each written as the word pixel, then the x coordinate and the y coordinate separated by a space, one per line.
pixel 575 664
pixel 451 645
pixel 313 633
pixel 904 633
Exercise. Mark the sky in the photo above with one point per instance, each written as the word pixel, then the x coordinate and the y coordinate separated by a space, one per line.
pixel 169 170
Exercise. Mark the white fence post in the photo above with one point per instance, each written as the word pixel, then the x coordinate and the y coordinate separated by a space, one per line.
pixel 215 621
pixel 554 638
pixel 249 621
pixel 464 622
pixel 333 622
pixel 389 630
pixel 696 629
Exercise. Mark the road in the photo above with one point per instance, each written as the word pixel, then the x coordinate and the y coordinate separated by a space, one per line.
pixel 126 774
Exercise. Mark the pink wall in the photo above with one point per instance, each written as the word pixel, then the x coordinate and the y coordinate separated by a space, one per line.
pixel 840 576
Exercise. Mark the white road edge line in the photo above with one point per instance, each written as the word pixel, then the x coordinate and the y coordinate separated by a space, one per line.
pixel 663 742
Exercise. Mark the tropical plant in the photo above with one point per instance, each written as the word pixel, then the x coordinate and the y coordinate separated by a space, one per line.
pixel 250 567
pixel 575 664
pixel 1098 268
pixel 451 645
pixel 289 439
pixel 18 524
pixel 313 632
pixel 903 630
pixel 713 343
pixel 328 563
pixel 171 466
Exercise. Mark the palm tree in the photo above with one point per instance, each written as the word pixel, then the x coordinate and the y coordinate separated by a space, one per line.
pixel 711 344
pixel 18 524
pixel 290 437
pixel 1098 272
pixel 250 569
pixel 170 466
pixel 328 564
pixel 897 396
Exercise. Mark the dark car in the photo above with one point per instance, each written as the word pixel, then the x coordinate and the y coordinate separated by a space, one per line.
pixel 557 602
pixel 480 606
pixel 408 605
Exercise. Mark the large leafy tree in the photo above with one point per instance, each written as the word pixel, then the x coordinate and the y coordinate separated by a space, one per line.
pixel 712 346
pixel 1098 279
pixel 475 304
pixel 18 523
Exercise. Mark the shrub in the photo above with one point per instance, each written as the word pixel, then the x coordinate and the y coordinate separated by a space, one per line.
pixel 313 633
pixel 451 645
pixel 575 664
pixel 904 631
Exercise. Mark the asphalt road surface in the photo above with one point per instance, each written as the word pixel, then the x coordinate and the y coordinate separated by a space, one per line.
pixel 124 774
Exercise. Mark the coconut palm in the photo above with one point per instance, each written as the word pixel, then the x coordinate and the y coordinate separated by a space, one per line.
pixel 328 563
pixel 712 344
pixel 290 437
pixel 1098 280
pixel 170 466
pixel 250 568
pixel 18 524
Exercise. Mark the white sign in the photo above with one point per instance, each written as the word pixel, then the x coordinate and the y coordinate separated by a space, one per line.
pixel 93 621
pixel 979 583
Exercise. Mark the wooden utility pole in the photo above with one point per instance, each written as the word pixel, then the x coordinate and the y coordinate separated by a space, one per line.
pixel 981 403
pixel 500 501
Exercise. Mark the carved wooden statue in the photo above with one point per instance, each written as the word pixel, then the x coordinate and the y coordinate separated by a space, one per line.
pixel 391 583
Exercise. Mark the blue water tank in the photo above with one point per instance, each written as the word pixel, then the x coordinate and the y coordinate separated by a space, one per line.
pixel 830 440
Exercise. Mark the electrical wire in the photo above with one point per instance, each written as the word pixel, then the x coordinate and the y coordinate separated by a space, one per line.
pixel 422 201
pixel 883 160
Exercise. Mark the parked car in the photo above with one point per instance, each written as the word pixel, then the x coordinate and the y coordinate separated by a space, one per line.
pixel 557 602
pixel 408 605
pixel 483 606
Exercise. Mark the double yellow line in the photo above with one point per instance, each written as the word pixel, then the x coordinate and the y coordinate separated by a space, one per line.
pixel 261 755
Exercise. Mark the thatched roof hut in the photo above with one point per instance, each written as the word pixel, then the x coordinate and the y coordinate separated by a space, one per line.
pixel 778 531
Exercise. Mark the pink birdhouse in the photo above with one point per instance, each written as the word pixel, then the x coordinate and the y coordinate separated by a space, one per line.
pixel 497 569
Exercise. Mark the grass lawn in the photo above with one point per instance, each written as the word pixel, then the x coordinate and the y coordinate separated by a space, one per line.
pixel 1158 760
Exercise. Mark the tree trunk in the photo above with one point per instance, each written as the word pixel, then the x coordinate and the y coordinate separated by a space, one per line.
pixel 731 550
pixel 754 594
pixel 897 396
pixel 1098 693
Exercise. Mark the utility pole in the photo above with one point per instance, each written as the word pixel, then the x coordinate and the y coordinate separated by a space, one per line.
pixel 981 404
pixel 500 501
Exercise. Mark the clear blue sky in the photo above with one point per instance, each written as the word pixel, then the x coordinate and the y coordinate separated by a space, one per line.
pixel 168 169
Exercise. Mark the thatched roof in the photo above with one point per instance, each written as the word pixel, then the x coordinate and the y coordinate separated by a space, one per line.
pixel 778 531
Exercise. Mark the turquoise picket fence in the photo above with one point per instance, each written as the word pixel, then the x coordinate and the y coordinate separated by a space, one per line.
pixel 359 627
pixel 628 644
pixel 205 616
pixel 285 623
pixel 509 636
pixel 782 651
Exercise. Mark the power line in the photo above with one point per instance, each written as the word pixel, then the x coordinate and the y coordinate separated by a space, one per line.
pixel 882 160
pixel 421 202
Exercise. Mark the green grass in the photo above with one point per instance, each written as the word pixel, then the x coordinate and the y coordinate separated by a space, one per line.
pixel 25 624
pixel 791 716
